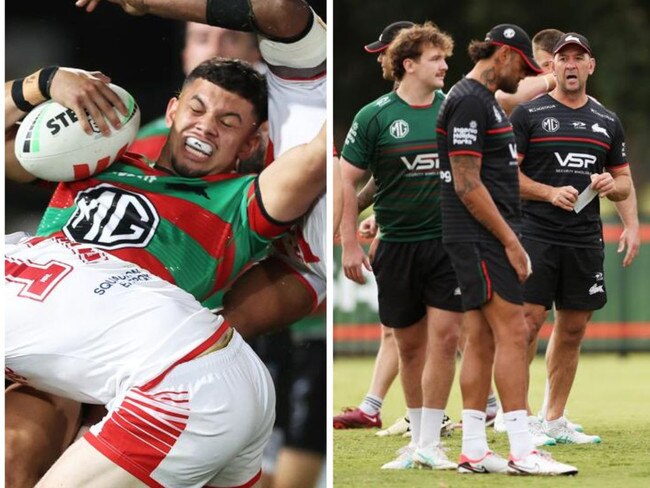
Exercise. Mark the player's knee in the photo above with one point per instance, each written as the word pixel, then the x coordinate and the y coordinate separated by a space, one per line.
pixel 535 318
pixel 411 352
pixel 387 334
pixel 571 336
pixel 448 341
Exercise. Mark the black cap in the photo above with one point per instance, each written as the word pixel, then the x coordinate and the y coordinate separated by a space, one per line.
pixel 515 37
pixel 387 35
pixel 572 38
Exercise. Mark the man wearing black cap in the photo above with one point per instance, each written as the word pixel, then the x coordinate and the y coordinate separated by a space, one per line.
pixel 480 215
pixel 571 149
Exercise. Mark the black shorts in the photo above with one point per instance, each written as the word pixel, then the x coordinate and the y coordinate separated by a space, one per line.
pixel 482 269
pixel 275 350
pixel 572 277
pixel 307 425
pixel 411 276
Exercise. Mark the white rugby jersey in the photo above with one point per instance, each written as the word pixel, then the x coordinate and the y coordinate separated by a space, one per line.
pixel 297 110
pixel 110 324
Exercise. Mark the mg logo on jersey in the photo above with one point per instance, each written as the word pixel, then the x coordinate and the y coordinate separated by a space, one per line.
pixel 550 124
pixel 399 129
pixel 422 162
pixel 575 160
pixel 112 218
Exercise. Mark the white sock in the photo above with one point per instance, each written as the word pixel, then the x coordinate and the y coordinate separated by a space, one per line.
pixel 415 416
pixel 547 389
pixel 521 442
pixel 474 438
pixel 431 423
pixel 371 404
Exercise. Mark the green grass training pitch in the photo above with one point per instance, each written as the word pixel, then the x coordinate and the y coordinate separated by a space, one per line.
pixel 610 397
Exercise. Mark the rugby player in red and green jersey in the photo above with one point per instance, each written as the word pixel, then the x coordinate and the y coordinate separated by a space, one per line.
pixel 187 214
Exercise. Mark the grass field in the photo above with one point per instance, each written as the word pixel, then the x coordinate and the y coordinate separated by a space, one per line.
pixel 611 398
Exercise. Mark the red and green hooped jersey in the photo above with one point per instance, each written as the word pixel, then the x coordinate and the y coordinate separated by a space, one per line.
pixel 197 233
pixel 151 139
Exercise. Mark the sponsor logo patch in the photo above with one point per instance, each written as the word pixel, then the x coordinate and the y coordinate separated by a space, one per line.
pixel 399 129
pixel 112 218
pixel 550 124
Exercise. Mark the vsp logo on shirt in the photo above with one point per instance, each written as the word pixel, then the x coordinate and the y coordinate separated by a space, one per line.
pixel 422 162
pixel 399 129
pixel 112 218
pixel 575 160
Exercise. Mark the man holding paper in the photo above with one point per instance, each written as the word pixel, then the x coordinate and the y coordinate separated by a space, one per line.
pixel 570 149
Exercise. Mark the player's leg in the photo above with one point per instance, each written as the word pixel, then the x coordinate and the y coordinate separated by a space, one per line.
pixel 82 465
pixel 386 364
pixel 582 290
pixel 564 351
pixel 562 365
pixel 300 461
pixel 38 428
pixel 437 377
pixel 412 347
pixel 297 468
pixel 368 413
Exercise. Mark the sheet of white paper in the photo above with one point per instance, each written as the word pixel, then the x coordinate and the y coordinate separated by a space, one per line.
pixel 584 198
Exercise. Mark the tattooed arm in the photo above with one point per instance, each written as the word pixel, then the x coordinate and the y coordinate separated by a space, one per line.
pixel 366 194
pixel 466 174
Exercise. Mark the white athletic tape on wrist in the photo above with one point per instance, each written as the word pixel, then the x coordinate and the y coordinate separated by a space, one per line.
pixel 308 52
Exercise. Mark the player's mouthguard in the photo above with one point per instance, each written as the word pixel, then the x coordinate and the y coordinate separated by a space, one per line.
pixel 202 147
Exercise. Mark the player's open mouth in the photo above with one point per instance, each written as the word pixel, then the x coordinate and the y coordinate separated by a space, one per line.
pixel 197 146
pixel 571 77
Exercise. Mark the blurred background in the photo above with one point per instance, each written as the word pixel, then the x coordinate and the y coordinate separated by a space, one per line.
pixel 619 34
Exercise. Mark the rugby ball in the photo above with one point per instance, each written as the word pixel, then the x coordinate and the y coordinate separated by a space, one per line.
pixel 51 145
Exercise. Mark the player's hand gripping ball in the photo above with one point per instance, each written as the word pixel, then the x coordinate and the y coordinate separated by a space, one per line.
pixel 52 145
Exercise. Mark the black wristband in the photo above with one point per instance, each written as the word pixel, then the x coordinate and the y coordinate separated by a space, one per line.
pixel 45 80
pixel 17 96
pixel 230 14
pixel 285 40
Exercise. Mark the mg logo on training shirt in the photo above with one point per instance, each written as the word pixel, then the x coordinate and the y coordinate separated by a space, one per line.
pixel 112 218
pixel 550 124
pixel 575 160
pixel 399 129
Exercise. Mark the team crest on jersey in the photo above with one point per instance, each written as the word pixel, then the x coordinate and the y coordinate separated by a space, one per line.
pixel 399 129
pixel 550 124
pixel 599 129
pixel 112 218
